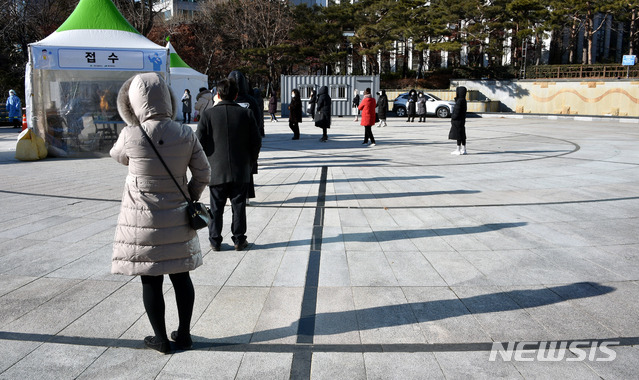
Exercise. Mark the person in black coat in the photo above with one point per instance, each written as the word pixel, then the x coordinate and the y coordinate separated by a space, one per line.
pixel 246 100
pixel 458 121
pixel 295 114
pixel 231 140
pixel 323 114
pixel 272 106
pixel 412 103
pixel 312 102
pixel 382 107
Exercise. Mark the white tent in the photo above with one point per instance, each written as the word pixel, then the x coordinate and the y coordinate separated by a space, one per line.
pixel 184 77
pixel 73 77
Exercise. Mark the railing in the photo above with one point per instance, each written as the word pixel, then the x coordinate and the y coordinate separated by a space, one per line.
pixel 581 71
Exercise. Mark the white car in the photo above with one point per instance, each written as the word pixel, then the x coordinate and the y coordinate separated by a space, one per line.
pixel 434 105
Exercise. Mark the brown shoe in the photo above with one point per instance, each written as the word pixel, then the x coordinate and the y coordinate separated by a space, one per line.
pixel 241 246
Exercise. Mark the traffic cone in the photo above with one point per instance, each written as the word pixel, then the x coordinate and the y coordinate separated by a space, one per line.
pixel 24 122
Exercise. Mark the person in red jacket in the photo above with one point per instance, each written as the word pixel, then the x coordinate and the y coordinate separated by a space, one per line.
pixel 367 106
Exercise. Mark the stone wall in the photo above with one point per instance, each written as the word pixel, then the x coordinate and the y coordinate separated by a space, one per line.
pixel 561 97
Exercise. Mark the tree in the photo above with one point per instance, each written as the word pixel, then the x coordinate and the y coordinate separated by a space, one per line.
pixel 139 13
pixel 26 21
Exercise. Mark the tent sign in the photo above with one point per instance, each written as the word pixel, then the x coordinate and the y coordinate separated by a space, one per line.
pixel 53 58
pixel 101 59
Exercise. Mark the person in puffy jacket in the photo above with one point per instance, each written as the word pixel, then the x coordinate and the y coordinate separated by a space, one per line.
pixel 203 101
pixel 153 236
pixel 367 106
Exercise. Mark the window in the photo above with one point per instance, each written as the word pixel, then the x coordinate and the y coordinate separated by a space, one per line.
pixel 305 90
pixel 338 91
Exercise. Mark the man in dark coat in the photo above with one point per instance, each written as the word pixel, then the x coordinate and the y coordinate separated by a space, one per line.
pixel 246 100
pixel 382 107
pixel 458 121
pixel 323 112
pixel 231 140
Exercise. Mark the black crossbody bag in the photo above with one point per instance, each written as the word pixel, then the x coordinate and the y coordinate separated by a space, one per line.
pixel 199 215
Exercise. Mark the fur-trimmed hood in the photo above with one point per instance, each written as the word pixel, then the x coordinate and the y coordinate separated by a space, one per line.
pixel 146 97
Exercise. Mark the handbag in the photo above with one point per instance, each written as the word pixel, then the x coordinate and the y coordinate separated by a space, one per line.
pixel 199 215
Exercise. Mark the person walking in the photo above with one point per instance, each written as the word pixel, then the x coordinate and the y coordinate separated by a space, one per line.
pixel 295 114
pixel 312 102
pixel 153 236
pixel 367 106
pixel 323 115
pixel 458 121
pixel 412 103
pixel 203 101
pixel 231 139
pixel 356 104
pixel 186 106
pixel 14 109
pixel 272 106
pixel 421 107
pixel 382 107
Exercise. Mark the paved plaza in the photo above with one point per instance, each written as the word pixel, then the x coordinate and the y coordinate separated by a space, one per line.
pixel 394 261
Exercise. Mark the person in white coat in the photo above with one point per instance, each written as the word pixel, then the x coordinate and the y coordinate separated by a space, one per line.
pixel 153 236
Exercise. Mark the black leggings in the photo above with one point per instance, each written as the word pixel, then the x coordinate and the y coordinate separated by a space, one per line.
pixel 153 298
pixel 461 142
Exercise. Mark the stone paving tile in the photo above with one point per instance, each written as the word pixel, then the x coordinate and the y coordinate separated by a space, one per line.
pixel 327 366
pixel 384 316
pixel 54 361
pixel 443 317
pixel 475 365
pixel 402 366
pixel 127 363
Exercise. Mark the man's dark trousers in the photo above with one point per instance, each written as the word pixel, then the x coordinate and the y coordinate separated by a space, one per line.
pixel 236 192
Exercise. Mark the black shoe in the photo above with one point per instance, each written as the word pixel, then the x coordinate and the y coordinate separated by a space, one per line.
pixel 182 342
pixel 295 138
pixel 157 344
pixel 216 247
pixel 241 246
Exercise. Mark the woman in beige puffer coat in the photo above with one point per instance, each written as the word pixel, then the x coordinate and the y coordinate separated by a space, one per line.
pixel 153 236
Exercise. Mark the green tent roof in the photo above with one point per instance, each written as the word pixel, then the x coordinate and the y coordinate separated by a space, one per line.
pixel 96 14
pixel 176 61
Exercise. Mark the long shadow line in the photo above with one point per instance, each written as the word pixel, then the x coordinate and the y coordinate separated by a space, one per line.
pixel 293 348
pixel 282 205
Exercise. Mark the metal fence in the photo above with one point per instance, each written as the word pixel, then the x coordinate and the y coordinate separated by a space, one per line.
pixel 581 71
